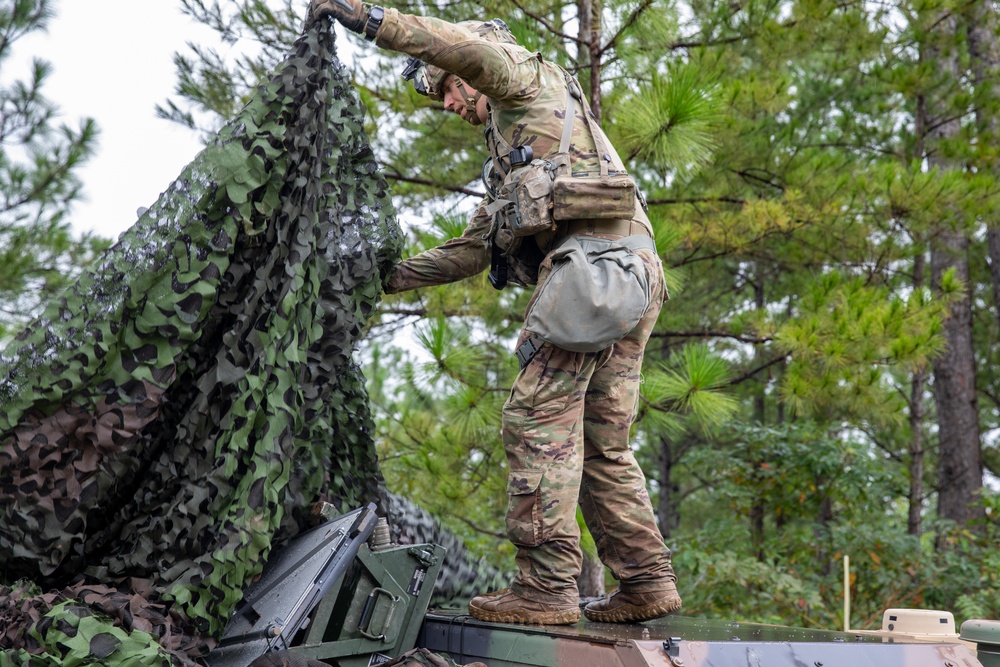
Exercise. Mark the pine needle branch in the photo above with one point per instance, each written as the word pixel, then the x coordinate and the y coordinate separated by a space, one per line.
pixel 480 529
pixel 750 374
pixel 626 24
pixel 396 176
pixel 711 334
pixel 696 200
pixel 548 25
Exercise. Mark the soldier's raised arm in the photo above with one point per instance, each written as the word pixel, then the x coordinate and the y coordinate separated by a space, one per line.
pixel 495 69
pixel 461 257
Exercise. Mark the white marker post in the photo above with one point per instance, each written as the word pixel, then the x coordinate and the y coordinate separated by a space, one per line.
pixel 847 593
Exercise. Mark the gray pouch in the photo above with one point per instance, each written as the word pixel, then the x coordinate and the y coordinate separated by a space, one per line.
pixel 596 294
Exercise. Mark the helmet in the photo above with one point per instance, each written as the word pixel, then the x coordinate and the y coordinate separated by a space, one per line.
pixel 428 79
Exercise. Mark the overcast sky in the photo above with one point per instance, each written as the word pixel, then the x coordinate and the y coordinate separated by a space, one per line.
pixel 112 61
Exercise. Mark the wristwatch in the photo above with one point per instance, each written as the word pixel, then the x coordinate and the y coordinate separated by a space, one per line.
pixel 375 16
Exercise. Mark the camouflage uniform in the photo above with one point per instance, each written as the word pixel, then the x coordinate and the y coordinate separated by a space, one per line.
pixel 566 422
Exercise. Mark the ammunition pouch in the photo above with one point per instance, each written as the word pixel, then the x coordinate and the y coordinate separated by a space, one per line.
pixel 522 208
pixel 524 203
pixel 536 197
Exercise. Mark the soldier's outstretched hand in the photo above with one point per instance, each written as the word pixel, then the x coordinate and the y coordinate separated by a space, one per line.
pixel 350 13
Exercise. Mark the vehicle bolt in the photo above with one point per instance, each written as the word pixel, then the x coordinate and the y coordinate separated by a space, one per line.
pixel 677 662
pixel 818 663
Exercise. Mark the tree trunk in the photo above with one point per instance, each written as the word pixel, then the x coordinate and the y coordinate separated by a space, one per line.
pixel 993 248
pixel 823 530
pixel 757 529
pixel 918 384
pixel 960 472
pixel 591 579
pixel 667 509
pixel 585 12
pixel 596 35
pixel 589 56
pixel 984 61
pixel 914 520
pixel 760 414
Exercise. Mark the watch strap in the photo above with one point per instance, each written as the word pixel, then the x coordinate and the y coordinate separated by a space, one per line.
pixel 374 22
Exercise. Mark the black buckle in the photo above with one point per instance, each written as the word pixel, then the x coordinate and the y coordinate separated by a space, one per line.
pixel 528 350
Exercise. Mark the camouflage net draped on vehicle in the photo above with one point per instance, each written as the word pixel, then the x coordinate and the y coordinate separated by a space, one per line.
pixel 175 414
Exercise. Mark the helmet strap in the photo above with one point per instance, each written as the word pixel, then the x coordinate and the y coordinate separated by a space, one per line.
pixel 470 100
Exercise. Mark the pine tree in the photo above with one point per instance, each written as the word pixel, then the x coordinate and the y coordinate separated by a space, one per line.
pixel 39 161
pixel 960 463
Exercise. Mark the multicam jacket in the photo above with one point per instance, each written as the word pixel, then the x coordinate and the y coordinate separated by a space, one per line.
pixel 528 100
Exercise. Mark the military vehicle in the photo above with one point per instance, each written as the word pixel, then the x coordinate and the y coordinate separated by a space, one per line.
pixel 343 593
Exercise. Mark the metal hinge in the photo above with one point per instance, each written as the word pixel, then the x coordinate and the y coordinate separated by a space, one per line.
pixel 672 647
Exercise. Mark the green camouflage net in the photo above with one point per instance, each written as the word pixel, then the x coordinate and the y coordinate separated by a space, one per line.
pixel 175 414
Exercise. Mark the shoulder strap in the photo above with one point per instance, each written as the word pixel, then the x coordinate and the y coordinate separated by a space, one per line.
pixel 496 144
pixel 605 154
pixel 568 123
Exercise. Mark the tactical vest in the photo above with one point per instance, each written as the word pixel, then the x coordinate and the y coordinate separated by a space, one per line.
pixel 532 201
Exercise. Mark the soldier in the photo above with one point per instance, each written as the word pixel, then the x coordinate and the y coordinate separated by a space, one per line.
pixel 566 422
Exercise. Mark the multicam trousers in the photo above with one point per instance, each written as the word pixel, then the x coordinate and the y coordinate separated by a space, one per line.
pixel 566 435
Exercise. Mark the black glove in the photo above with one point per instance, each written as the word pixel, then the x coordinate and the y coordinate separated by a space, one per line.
pixel 351 13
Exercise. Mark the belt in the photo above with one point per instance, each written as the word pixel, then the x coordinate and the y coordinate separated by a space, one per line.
pixel 600 226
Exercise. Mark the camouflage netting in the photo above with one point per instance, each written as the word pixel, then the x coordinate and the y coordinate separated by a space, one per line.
pixel 175 414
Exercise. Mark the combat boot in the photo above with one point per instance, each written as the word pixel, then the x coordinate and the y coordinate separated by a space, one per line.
pixel 505 606
pixel 623 607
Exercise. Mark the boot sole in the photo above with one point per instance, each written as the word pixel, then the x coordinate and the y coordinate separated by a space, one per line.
pixel 630 613
pixel 565 617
